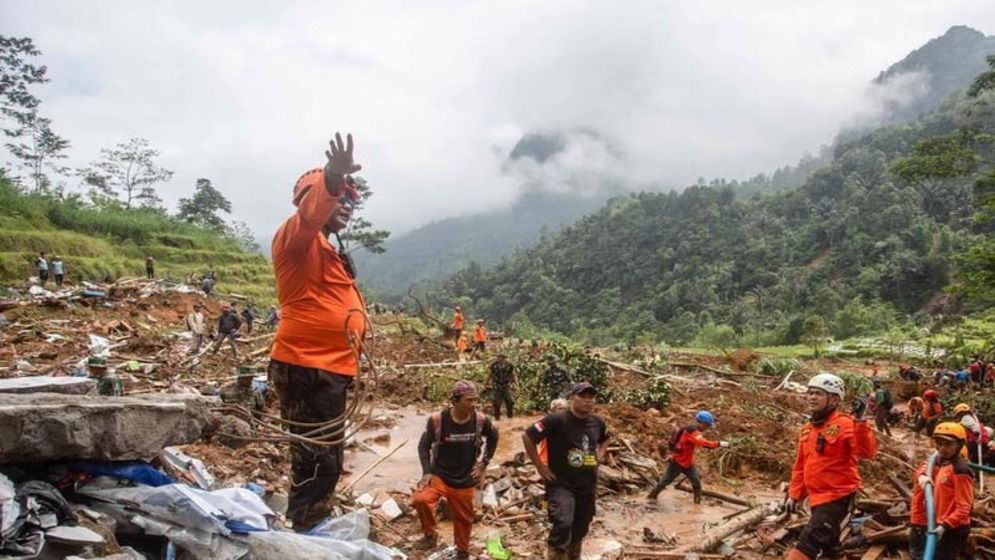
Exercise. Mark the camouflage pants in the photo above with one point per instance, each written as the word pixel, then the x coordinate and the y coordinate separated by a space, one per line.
pixel 310 395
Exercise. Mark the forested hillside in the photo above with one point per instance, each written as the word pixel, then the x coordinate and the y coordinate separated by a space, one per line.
pixel 863 245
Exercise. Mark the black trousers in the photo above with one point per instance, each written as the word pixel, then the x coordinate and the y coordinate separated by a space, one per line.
pixel 822 534
pixel 570 513
pixel 503 395
pixel 43 276
pixel 310 395
pixel 673 471
pixel 952 543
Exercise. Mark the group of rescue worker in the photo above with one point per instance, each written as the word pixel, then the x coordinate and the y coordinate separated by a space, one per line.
pixel 316 356
pixel 458 328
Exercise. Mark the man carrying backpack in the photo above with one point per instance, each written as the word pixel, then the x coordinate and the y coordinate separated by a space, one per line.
pixel 682 444
pixel 453 465
pixel 883 406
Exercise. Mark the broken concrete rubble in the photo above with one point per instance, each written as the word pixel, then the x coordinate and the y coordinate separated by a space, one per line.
pixel 49 384
pixel 50 427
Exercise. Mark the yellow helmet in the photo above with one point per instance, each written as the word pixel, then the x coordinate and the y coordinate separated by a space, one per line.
pixel 962 407
pixel 950 430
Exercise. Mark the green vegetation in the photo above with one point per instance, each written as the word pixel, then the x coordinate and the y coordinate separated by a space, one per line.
pixel 861 248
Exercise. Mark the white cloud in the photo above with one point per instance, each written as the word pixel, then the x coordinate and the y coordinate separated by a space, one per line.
pixel 437 93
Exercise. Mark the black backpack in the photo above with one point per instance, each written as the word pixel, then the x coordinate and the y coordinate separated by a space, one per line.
pixel 675 437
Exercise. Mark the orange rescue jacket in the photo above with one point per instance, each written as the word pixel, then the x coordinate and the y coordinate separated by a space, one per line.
pixel 826 464
pixel 690 438
pixel 322 324
pixel 458 322
pixel 479 334
pixel 953 495
pixel 932 409
pixel 461 344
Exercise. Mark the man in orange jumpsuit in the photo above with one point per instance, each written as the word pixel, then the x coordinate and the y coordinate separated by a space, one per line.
pixel 953 496
pixel 315 353
pixel 683 442
pixel 458 321
pixel 479 336
pixel 825 468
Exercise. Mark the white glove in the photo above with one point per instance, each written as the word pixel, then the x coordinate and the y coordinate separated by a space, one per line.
pixel 939 532
pixel 724 444
pixel 923 480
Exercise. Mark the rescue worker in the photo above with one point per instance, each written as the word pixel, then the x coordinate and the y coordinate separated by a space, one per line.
pixel 108 382
pixel 502 379
pixel 932 411
pixel 479 337
pixel 195 322
pixel 461 343
pixel 228 325
pixel 458 321
pixel 242 393
pixel 577 440
pixel 682 444
pixel 825 469
pixel 314 358
pixel 42 265
pixel 150 267
pixel 952 484
pixel 59 271
pixel 882 407
pixel 975 433
pixel 453 459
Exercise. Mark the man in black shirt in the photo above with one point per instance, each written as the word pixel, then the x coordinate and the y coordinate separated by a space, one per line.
pixel 503 382
pixel 453 465
pixel 228 325
pixel 576 440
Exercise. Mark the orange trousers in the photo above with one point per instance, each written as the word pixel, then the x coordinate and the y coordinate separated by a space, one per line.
pixel 460 502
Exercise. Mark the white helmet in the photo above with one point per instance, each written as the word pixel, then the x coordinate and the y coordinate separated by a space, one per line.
pixel 829 383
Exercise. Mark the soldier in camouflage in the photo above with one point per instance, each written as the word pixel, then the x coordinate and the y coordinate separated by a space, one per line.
pixel 503 382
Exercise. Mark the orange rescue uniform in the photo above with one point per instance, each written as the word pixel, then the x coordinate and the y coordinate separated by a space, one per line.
pixel 458 321
pixel 826 464
pixel 461 344
pixel 686 444
pixel 321 305
pixel 953 495
pixel 933 410
pixel 479 334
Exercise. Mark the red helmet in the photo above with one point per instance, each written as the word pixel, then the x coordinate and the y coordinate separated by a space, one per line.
pixel 930 394
pixel 306 181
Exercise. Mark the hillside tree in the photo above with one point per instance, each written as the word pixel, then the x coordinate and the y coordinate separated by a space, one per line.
pixel 360 233
pixel 129 173
pixel 205 206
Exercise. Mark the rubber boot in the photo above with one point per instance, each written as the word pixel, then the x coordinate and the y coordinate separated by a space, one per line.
pixel 795 554
pixel 553 553
pixel 573 553
pixel 697 496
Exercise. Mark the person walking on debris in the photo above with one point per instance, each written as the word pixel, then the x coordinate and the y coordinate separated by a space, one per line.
pixel 952 485
pixel 932 412
pixel 248 318
pixel 479 337
pixel 977 437
pixel 883 404
pixel 577 441
pixel 682 444
pixel 316 349
pixel 207 285
pixel 503 383
pixel 916 407
pixel 454 451
pixel 150 267
pixel 825 469
pixel 242 393
pixel 41 263
pixel 197 326
pixel 58 271
pixel 228 325
pixel 273 318
pixel 108 383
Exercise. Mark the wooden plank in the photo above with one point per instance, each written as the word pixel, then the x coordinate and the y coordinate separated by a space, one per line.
pixel 874 552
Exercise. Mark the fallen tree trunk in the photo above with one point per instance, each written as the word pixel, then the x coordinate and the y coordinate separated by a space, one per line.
pixel 683 487
pixel 713 538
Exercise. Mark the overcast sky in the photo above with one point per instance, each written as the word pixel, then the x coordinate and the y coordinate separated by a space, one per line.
pixel 437 93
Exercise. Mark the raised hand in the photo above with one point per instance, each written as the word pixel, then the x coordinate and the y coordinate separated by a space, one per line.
pixel 340 162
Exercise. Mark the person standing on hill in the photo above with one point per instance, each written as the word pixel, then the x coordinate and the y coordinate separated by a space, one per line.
pixel 195 322
pixel 479 337
pixel 58 271
pixel 503 382
pixel 41 263
pixel 577 441
pixel 150 267
pixel 207 285
pixel 315 355
pixel 825 469
pixel 683 442
pixel 228 325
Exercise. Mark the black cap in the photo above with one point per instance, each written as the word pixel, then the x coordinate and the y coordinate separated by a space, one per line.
pixel 581 387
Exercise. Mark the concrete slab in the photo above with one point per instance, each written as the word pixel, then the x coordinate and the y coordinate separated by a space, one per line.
pixel 49 384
